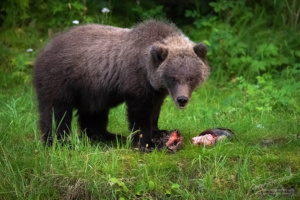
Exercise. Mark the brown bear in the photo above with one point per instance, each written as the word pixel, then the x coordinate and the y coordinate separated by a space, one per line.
pixel 92 68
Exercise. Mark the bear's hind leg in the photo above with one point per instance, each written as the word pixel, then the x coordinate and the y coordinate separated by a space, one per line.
pixel 61 123
pixel 95 125
pixel 157 133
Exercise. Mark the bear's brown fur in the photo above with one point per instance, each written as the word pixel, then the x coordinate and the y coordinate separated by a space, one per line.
pixel 93 68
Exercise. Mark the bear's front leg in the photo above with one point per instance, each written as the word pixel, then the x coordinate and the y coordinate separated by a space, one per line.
pixel 156 132
pixel 139 118
pixel 143 116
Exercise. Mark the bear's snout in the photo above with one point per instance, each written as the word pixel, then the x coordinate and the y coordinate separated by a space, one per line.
pixel 182 101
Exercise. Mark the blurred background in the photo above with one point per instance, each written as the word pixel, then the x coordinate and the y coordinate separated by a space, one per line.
pixel 245 37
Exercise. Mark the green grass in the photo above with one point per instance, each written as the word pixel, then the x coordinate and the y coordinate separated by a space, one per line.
pixel 264 157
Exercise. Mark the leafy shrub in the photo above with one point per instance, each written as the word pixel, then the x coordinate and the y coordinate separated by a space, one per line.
pixel 21 64
pixel 12 12
pixel 267 95
pixel 244 41
pixel 59 14
pixel 156 12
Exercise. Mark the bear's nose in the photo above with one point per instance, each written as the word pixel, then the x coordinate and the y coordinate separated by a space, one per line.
pixel 182 100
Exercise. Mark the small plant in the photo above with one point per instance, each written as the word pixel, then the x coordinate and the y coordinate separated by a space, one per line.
pixel 21 65
pixel 174 189
pixel 105 18
pixel 120 189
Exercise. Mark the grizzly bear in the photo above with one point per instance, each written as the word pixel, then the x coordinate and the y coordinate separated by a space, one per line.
pixel 92 68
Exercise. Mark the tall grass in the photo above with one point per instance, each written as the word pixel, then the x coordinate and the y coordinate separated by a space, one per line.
pixel 264 155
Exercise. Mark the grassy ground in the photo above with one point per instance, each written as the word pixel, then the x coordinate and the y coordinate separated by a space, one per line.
pixel 263 162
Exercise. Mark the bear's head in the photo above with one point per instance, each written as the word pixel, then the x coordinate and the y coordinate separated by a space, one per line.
pixel 178 69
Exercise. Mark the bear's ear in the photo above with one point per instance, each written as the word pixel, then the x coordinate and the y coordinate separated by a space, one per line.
pixel 201 50
pixel 159 54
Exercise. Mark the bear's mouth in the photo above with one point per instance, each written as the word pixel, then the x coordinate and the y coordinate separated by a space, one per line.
pixel 181 106
pixel 181 102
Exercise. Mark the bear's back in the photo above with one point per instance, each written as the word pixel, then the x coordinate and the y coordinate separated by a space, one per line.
pixel 102 39
pixel 82 37
pixel 151 31
pixel 80 47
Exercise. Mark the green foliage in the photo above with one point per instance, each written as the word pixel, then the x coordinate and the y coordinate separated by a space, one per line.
pixel 21 65
pixel 237 48
pixel 230 28
pixel 239 57
pixel 120 188
pixel 156 12
pixel 65 13
pixel 53 14
pixel 232 11
pixel 289 12
pixel 16 11
pixel 266 95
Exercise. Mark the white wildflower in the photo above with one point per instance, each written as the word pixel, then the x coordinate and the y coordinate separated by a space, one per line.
pixel 75 22
pixel 260 126
pixel 232 110
pixel 29 50
pixel 105 10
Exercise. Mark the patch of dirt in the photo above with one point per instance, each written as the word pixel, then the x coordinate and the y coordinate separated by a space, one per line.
pixel 72 189
pixel 268 142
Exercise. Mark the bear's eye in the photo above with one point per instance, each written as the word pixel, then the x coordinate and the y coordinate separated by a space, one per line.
pixel 173 78
pixel 190 79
